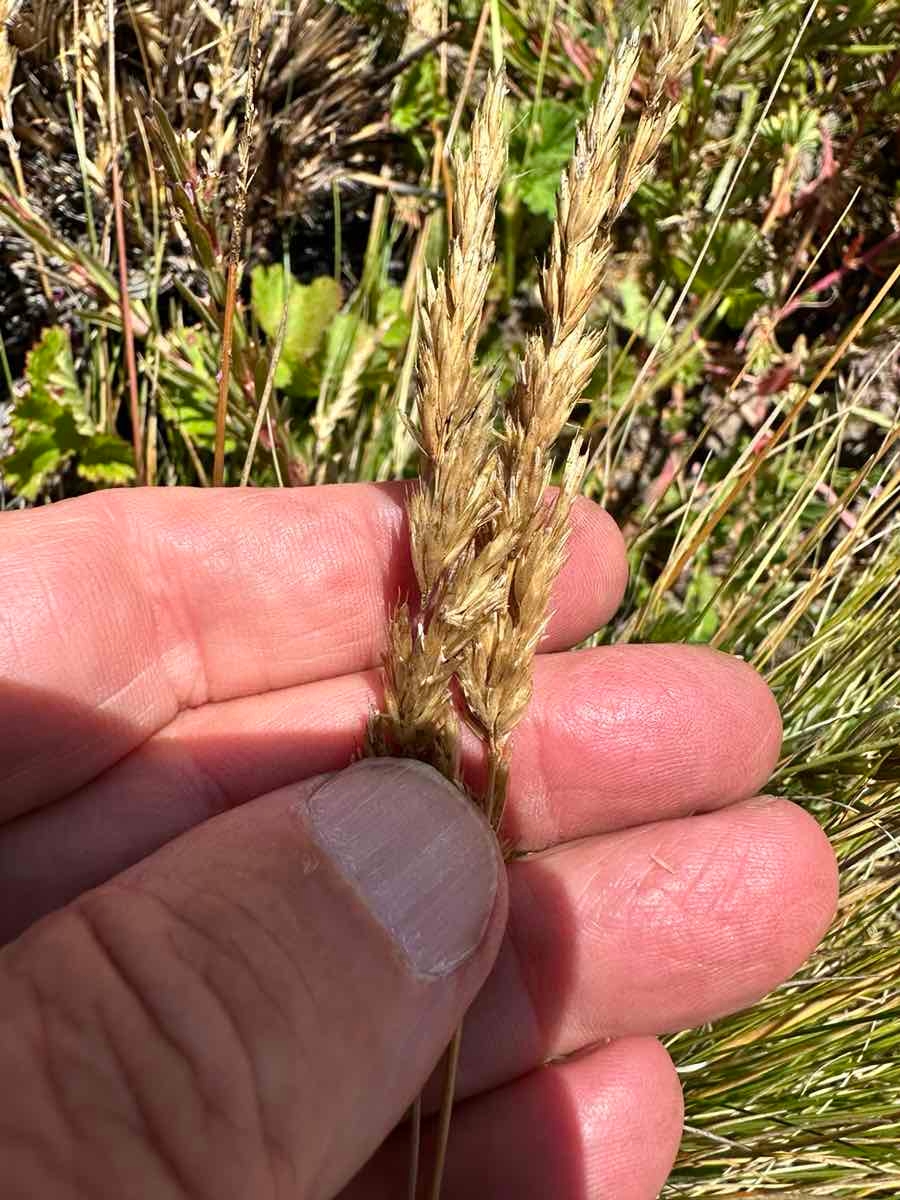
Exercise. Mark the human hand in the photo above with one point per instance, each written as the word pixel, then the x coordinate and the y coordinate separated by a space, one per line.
pixel 224 1015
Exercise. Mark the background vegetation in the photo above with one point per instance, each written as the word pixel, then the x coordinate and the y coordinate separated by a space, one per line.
pixel 214 221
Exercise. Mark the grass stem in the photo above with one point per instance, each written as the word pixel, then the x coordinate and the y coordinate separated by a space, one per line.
pixel 137 438
pixel 451 1067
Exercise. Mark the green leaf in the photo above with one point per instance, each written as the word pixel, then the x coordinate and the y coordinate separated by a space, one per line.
pixel 37 458
pixel 267 297
pixel 637 315
pixel 541 164
pixel 50 426
pixel 106 459
pixel 733 265
pixel 311 310
pixel 418 98
pixel 50 373
pixel 48 423
pixel 390 308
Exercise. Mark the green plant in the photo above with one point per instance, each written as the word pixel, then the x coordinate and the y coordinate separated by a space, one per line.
pixel 51 427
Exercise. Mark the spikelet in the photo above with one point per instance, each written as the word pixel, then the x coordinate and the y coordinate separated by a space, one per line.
pixel 674 36
pixel 558 362
pixel 486 543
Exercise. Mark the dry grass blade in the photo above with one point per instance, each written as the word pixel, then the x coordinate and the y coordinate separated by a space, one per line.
pixel 121 249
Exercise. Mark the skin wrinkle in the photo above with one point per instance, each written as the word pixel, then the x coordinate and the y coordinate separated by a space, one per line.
pixel 340 551
pixel 88 915
pixel 13 654
pixel 80 1120
pixel 278 1152
pixel 104 551
pixel 230 949
pixel 540 797
pixel 46 1149
pixel 273 1148
pixel 209 1098
pixel 328 565
pixel 582 897
pixel 347 545
pixel 179 647
pixel 54 1180
pixel 541 1032
pixel 196 784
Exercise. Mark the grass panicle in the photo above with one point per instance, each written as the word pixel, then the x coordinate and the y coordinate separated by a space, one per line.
pixel 605 171
pixel 458 492
pixel 486 547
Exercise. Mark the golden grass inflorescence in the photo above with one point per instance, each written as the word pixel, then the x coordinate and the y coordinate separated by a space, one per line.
pixel 487 542
pixel 459 492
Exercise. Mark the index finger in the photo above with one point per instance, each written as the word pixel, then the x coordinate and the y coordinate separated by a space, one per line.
pixel 133 606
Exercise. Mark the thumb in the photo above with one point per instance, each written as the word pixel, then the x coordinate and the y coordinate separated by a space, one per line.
pixel 247 1013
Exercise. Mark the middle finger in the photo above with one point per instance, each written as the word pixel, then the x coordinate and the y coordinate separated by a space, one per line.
pixel 648 931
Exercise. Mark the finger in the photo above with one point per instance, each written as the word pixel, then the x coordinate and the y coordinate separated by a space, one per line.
pixel 606 1124
pixel 221 1020
pixel 652 930
pixel 121 609
pixel 615 736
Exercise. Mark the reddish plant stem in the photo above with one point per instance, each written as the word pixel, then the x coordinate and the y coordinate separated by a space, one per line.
pixel 835 277
pixel 225 371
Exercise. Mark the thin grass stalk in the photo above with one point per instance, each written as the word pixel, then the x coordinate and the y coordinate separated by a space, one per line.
pixel 445 1114
pixel 754 463
pixel 647 365
pixel 415 1148
pixel 224 381
pixel 467 78
pixel 137 438
pixel 8 138
pixel 269 387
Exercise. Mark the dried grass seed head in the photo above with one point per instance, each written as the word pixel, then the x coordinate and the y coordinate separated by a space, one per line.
pixel 459 490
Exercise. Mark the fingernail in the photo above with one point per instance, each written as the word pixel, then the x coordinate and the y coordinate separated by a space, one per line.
pixel 418 854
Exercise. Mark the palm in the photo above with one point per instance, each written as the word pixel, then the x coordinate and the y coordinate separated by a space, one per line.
pixel 172 654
